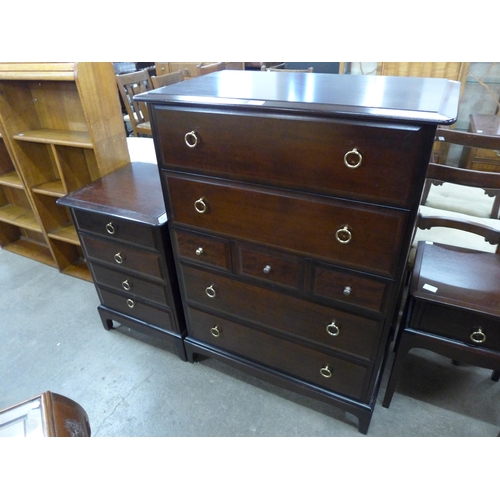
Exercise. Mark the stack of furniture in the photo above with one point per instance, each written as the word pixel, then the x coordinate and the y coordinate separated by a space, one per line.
pixel 61 128
pixel 292 199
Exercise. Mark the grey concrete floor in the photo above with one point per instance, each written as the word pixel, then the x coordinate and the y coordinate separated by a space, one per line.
pixel 52 339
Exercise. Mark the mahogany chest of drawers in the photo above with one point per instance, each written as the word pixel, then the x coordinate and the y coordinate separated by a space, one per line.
pixel 291 201
pixel 122 226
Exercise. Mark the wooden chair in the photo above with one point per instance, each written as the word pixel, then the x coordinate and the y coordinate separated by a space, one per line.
pixel 210 68
pixel 453 305
pixel 468 140
pixel 167 79
pixel 282 67
pixel 131 84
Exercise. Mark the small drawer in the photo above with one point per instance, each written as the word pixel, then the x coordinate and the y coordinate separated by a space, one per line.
pixel 119 254
pixel 376 162
pixel 466 326
pixel 205 249
pixel 131 285
pixel 114 227
pixel 351 288
pixel 324 370
pixel 276 267
pixel 325 326
pixel 359 235
pixel 134 308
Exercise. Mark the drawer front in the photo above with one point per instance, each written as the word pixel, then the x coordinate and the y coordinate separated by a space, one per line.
pixel 114 227
pixel 339 375
pixel 119 254
pixel 302 153
pixel 360 290
pixel 134 308
pixel 456 324
pixel 201 248
pixel 131 285
pixel 359 235
pixel 275 267
pixel 309 321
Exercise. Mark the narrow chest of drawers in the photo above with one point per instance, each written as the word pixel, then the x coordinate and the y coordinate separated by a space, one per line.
pixel 292 200
pixel 122 226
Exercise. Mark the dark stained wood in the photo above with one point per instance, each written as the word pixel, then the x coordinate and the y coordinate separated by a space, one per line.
pixel 122 226
pixel 279 164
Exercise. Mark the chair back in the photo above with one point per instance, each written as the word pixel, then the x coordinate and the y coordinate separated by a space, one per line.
pixel 167 79
pixel 282 67
pixel 204 69
pixel 487 182
pixel 129 85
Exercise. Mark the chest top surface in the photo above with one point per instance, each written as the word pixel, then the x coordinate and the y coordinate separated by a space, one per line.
pixel 424 100
pixel 131 192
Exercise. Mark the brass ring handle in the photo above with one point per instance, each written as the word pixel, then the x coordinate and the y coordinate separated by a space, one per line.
pixel 358 157
pixel 130 303
pixel 191 139
pixel 210 291
pixel 126 285
pixel 216 331
pixel 326 371
pixel 344 235
pixel 119 258
pixel 199 251
pixel 110 228
pixel 333 329
pixel 200 205
pixel 478 336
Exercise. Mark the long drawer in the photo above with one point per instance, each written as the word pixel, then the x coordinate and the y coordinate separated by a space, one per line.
pixel 361 236
pixel 328 327
pixel 122 255
pixel 312 154
pixel 324 370
pixel 138 309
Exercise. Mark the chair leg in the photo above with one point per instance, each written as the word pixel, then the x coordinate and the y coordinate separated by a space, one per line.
pixel 495 376
pixel 405 343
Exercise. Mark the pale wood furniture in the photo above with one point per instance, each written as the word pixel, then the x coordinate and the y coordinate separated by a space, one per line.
pixel 205 69
pixel 167 79
pixel 129 85
pixel 122 224
pixel 46 415
pixel 292 199
pixel 189 69
pixel 453 307
pixel 62 128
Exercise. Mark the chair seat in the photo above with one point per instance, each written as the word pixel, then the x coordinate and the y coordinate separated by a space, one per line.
pixel 459 277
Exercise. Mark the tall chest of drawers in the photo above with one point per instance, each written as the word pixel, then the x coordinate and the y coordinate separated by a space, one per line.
pixel 122 225
pixel 291 201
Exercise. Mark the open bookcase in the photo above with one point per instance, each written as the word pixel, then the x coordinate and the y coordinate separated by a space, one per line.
pixel 61 127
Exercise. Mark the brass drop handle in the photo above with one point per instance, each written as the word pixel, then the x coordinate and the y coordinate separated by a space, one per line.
pixel 478 336
pixel 333 329
pixel 326 371
pixel 110 228
pixel 353 158
pixel 200 205
pixel 199 251
pixel 216 331
pixel 126 285
pixel 191 139
pixel 130 303
pixel 119 258
pixel 210 291
pixel 344 235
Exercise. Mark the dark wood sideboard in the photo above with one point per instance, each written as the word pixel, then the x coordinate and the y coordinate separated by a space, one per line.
pixel 122 225
pixel 291 201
